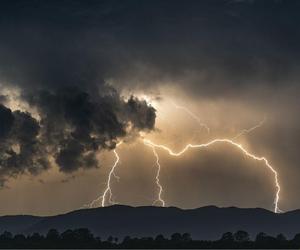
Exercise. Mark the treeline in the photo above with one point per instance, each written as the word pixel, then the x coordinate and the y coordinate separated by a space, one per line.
pixel 83 238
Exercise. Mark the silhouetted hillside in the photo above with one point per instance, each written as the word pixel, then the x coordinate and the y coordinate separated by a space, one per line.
pixel 18 223
pixel 202 223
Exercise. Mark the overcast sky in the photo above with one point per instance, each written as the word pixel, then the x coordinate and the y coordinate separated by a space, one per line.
pixel 77 77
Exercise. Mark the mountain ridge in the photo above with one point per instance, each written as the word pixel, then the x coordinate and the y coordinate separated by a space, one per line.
pixel 208 222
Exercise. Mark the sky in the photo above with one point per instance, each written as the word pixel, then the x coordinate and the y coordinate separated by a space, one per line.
pixel 79 77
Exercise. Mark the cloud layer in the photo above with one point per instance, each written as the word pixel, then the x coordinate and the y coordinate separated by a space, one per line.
pixel 74 125
pixel 232 61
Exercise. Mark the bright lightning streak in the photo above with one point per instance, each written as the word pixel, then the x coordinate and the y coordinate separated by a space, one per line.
pixel 159 186
pixel 194 116
pixel 108 191
pixel 247 131
pixel 227 141
pixel 108 186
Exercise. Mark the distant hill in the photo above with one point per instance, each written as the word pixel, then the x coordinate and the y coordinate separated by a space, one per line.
pixel 203 223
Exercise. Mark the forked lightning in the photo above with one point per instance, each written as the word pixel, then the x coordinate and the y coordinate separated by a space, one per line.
pixel 107 193
pixel 226 141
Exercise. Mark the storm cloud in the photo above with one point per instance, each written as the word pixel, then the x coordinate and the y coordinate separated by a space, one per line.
pixel 72 128
pixel 59 72
pixel 212 47
pixel 20 148
pixel 71 61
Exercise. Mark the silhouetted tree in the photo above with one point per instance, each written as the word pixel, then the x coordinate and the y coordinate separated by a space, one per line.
pixel 160 241
pixel 281 241
pixel 280 237
pixel 36 240
pixel 19 241
pixel 126 243
pixel 264 241
pixel 110 239
pixel 67 239
pixel 82 238
pixel 227 237
pixel 176 237
pixel 6 239
pixel 260 237
pixel 127 239
pixel 227 241
pixel 296 240
pixel 186 237
pixel 67 235
pixel 53 235
pixel 6 236
pixel 53 238
pixel 241 236
pixel 159 238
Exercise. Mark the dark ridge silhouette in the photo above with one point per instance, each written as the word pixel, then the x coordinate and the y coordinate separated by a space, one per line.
pixel 207 223
pixel 18 223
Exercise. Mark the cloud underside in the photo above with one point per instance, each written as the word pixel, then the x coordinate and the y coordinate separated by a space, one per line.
pixel 73 127
pixel 61 53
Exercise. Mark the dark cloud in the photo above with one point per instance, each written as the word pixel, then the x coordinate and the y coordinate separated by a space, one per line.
pixel 209 48
pixel 60 53
pixel 79 124
pixel 20 149
pixel 58 59
pixel 7 120
pixel 74 125
pixel 59 67
pixel 141 115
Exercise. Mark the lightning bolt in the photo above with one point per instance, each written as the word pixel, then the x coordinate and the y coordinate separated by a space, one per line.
pixel 107 193
pixel 157 179
pixel 193 115
pixel 232 143
pixel 249 130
